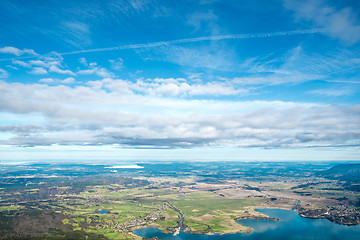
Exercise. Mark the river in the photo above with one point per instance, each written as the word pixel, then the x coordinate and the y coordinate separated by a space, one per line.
pixel 290 227
pixel 181 218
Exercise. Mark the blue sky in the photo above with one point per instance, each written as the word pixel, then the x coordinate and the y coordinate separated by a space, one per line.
pixel 180 80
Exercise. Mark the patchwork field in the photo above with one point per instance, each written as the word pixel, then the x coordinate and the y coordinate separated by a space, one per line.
pixel 100 205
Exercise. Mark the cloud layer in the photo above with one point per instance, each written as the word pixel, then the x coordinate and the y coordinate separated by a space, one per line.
pixel 116 112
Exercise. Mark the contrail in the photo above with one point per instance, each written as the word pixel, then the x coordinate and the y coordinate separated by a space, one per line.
pixel 186 40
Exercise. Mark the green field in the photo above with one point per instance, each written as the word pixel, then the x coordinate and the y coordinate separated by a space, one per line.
pixel 125 205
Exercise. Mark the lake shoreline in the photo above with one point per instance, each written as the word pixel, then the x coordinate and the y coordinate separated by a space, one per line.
pixel 282 223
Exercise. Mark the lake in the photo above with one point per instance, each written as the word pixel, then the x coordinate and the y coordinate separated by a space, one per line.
pixel 290 227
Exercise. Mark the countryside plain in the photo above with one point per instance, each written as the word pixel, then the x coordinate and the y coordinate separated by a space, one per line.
pixel 95 201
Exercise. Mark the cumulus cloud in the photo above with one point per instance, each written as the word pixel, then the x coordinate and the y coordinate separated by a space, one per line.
pixel 47 80
pixel 56 69
pixel 107 113
pixel 45 65
pixel 38 71
pixel 16 51
pixel 39 63
pixel 341 24
pixel 97 70
pixel 170 87
pixel 69 80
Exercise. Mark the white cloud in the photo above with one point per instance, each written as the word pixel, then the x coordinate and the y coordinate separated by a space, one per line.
pixel 216 89
pixel 68 80
pixel 12 67
pixel 11 50
pixel 109 112
pixel 16 51
pixel 47 80
pixel 38 63
pixel 337 23
pixel 99 71
pixel 45 65
pixel 47 62
pixel 182 87
pixel 83 61
pixel 167 80
pixel 117 63
pixel 21 63
pixel 171 87
pixel 38 71
pixel 56 69
pixel 3 73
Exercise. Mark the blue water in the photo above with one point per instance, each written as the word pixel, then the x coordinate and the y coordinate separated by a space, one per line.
pixel 297 202
pixel 290 227
pixel 103 212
